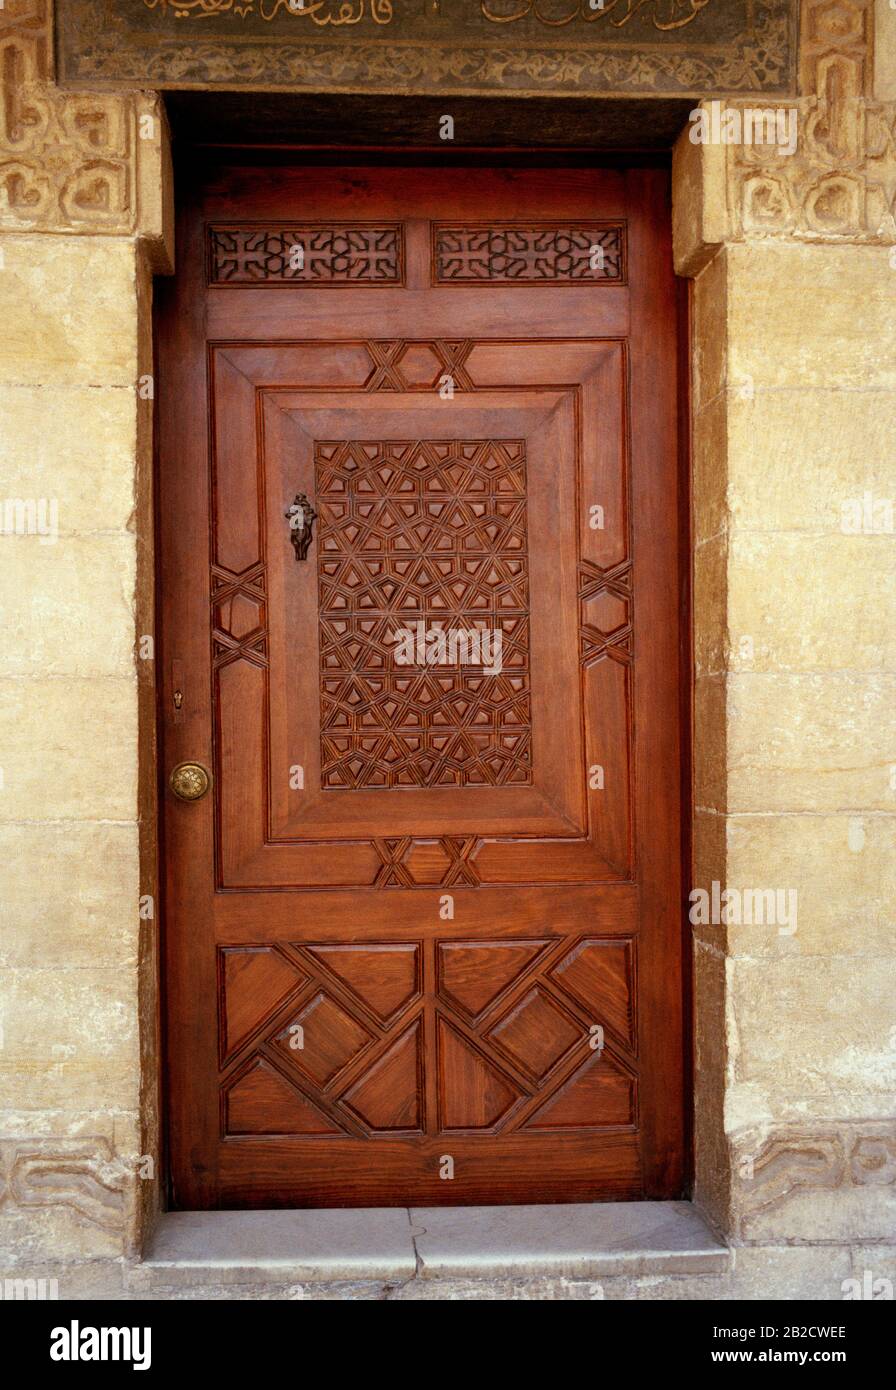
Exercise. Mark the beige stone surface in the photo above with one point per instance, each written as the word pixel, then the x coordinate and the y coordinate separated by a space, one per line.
pixel 810 742
pixel 69 1189
pixel 710 600
pixel 758 1273
pixel 699 209
pixel 828 1216
pixel 78 162
pixel 842 867
pixel 879 1260
pixel 149 962
pixel 710 744
pixel 154 221
pixel 809 603
pixel 796 457
pixel 29 1236
pixel 91 1279
pixel 812 1179
pixel 710 848
pixel 69 892
pixel 816 1035
pixel 70 1039
pixel 66 609
pixel 794 728
pixel 74 444
pixel 710 468
pixel 69 311
pixel 884 51
pixel 709 368
pixel 811 316
pixel 69 749
pixel 786 1272
pixel 712 1157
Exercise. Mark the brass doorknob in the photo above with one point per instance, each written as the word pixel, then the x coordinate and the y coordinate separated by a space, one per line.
pixel 190 781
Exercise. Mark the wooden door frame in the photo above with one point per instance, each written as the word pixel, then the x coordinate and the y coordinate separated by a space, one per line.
pixel 531 158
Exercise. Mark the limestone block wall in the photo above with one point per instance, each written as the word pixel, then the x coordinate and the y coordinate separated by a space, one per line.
pixel 83 222
pixel 794 480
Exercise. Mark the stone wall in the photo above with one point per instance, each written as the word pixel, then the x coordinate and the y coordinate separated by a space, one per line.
pixel 83 223
pixel 794 423
pixel 794 420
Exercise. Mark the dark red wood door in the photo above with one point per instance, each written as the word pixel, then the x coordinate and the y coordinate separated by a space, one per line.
pixel 419 556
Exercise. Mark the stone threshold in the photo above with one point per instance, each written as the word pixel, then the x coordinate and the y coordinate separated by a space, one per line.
pixel 394 1244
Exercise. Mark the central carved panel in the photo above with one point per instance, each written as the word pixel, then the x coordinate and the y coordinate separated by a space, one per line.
pixel 424 613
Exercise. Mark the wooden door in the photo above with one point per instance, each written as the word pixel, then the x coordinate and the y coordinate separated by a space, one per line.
pixel 423 935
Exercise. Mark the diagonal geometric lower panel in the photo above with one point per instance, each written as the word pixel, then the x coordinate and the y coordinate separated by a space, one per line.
pixel 473 1094
pixel 599 976
pixel 388 1095
pixel 384 977
pixel 598 1093
pixel 262 1101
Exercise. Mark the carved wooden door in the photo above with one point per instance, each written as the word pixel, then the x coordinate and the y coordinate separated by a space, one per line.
pixel 423 934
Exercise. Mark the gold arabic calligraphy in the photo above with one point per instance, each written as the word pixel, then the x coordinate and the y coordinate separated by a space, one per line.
pixel 321 12
pixel 666 14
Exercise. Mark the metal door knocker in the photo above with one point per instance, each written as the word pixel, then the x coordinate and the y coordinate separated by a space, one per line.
pixel 301 517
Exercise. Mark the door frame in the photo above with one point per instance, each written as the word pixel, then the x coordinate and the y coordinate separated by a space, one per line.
pixel 535 158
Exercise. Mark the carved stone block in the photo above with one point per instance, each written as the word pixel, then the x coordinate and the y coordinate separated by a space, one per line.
pixel 75 161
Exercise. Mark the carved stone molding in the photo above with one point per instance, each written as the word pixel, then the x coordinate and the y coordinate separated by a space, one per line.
pixel 774 1170
pixel 76 162
pixel 838 31
pixel 839 182
pixel 81 1173
pixel 840 185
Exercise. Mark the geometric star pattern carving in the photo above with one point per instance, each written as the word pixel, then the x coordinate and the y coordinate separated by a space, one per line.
pixel 548 253
pixel 423 532
pixel 329 254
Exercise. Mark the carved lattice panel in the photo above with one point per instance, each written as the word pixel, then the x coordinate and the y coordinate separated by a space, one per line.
pixel 310 254
pixel 423 537
pixel 550 254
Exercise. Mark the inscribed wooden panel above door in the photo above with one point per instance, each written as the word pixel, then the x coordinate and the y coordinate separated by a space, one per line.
pixel 621 47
